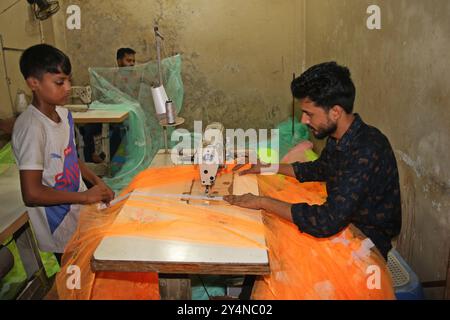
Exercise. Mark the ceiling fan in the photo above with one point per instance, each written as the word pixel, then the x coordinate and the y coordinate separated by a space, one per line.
pixel 44 9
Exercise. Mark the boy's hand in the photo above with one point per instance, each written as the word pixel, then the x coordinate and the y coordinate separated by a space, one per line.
pixel 98 193
pixel 102 184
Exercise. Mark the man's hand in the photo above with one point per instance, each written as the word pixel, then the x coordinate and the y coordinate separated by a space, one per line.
pixel 282 168
pixel 249 201
pixel 98 193
pixel 254 169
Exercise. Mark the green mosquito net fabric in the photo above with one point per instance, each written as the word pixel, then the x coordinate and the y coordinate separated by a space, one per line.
pixel 129 89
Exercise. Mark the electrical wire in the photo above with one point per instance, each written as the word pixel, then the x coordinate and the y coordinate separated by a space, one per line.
pixel 6 9
pixel 204 287
pixel 9 242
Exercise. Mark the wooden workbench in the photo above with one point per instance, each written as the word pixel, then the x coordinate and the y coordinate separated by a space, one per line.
pixel 13 213
pixel 99 116
pixel 104 117
pixel 139 254
pixel 14 222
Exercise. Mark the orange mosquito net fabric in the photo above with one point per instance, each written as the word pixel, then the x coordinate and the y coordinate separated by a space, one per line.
pixel 302 267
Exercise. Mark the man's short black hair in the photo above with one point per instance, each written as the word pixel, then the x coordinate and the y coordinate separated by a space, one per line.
pixel 123 51
pixel 326 84
pixel 43 58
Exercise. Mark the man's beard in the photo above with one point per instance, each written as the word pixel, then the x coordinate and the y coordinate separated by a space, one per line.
pixel 322 133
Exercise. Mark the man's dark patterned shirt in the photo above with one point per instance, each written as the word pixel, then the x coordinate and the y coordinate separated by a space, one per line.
pixel 362 183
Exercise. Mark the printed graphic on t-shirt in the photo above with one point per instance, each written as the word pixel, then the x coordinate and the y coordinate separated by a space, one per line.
pixel 68 180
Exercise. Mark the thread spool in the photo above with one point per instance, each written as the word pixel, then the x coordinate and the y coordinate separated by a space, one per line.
pixel 21 102
pixel 170 112
pixel 159 98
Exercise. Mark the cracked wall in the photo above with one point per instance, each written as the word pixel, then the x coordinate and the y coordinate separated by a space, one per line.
pixel 238 56
pixel 238 61
pixel 18 31
pixel 402 78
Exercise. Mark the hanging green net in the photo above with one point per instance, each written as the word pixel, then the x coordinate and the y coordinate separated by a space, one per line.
pixel 289 140
pixel 129 89
pixel 6 157
pixel 290 134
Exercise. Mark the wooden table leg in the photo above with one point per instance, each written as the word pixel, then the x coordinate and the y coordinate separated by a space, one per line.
pixel 29 253
pixel 105 146
pixel 80 143
pixel 175 287
pixel 247 287
pixel 165 140
pixel 38 283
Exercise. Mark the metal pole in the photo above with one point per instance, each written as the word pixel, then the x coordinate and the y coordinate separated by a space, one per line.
pixel 159 37
pixel 165 139
pixel 8 80
pixel 293 110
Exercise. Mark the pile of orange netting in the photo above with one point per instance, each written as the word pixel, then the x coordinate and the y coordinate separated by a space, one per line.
pixel 302 267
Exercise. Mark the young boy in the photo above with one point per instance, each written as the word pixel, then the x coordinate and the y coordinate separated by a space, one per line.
pixel 44 146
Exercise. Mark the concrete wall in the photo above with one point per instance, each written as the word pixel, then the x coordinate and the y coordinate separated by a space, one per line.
pixel 402 78
pixel 238 61
pixel 238 56
pixel 18 29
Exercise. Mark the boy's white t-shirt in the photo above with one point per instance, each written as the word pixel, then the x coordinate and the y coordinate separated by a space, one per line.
pixel 39 143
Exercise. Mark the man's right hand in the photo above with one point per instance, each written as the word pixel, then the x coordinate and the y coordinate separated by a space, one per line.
pixel 283 168
pixel 96 194
pixel 254 168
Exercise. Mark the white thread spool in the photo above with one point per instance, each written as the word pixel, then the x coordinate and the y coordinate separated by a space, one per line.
pixel 170 112
pixel 159 99
pixel 21 102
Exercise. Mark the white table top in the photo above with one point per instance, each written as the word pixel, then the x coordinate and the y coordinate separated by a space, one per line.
pixel 162 159
pixel 12 207
pixel 100 116
pixel 136 249
pixel 170 251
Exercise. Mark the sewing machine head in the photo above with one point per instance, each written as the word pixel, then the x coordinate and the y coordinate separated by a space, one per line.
pixel 211 155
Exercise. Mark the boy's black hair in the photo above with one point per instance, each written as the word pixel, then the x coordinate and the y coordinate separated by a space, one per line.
pixel 43 58
pixel 123 51
pixel 326 84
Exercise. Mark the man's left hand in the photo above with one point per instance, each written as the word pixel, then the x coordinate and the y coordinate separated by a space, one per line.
pixel 249 201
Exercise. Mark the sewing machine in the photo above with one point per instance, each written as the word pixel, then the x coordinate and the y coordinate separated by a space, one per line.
pixel 211 154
